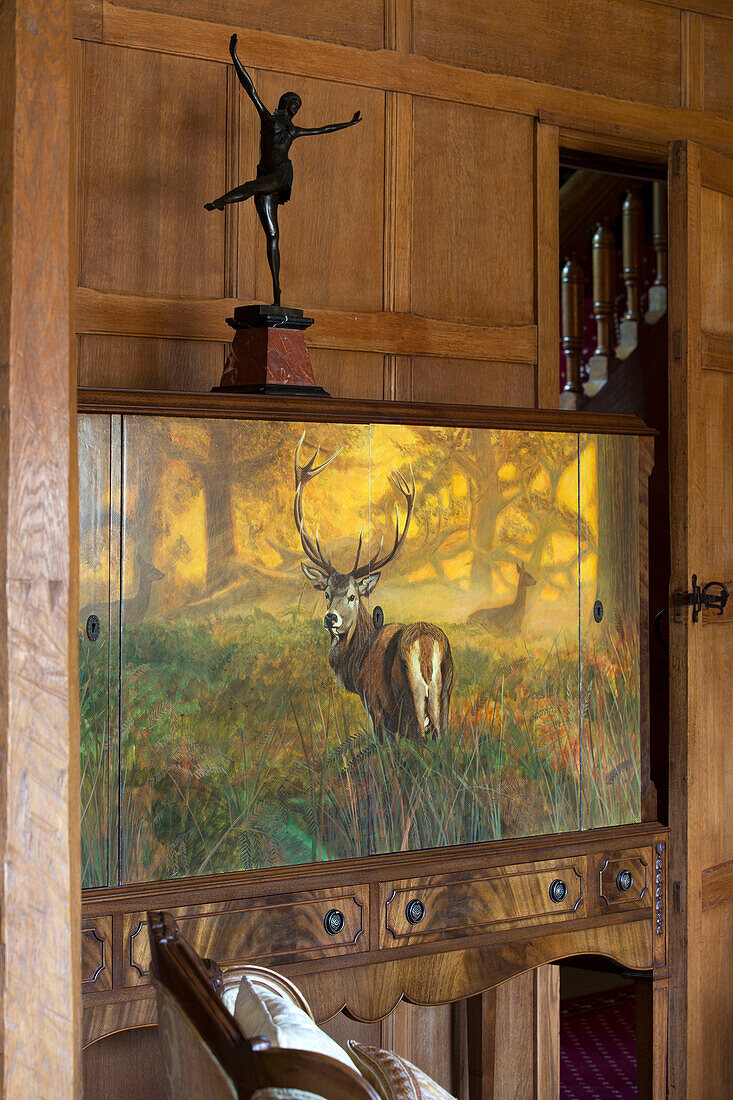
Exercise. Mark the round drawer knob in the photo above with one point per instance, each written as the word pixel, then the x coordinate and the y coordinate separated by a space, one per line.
pixel 334 921
pixel 558 890
pixel 624 880
pixel 415 911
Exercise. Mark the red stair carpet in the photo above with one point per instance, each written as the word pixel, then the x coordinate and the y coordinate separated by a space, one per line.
pixel 598 1046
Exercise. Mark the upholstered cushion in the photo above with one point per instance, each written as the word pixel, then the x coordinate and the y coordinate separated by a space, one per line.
pixel 393 1077
pixel 284 1094
pixel 263 1012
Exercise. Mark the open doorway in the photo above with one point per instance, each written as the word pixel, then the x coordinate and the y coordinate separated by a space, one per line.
pixel 614 359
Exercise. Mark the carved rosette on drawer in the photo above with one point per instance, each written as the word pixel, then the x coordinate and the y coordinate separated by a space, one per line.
pixel 623 881
pixel 307 927
pixel 96 954
pixel 446 907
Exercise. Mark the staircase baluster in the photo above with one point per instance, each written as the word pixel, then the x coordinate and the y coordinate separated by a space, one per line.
pixel 572 396
pixel 632 224
pixel 658 289
pixel 604 300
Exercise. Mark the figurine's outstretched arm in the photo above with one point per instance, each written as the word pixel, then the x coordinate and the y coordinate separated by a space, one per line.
pixel 245 79
pixel 304 131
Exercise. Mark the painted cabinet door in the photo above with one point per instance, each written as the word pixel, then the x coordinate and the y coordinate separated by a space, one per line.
pixel 334 640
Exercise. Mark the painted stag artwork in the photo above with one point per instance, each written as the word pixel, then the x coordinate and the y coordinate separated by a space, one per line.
pixel 320 641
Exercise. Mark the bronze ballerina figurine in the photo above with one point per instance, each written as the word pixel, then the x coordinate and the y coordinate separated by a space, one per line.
pixel 275 171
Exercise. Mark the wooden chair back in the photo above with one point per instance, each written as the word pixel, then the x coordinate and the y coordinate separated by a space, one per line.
pixel 205 1051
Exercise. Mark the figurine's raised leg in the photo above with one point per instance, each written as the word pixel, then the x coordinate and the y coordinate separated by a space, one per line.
pixel 266 206
pixel 270 184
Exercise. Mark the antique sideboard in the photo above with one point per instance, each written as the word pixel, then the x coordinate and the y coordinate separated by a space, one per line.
pixel 527 544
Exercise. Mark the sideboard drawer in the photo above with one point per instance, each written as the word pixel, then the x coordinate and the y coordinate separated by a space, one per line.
pixel 623 880
pixel 272 931
pixel 446 906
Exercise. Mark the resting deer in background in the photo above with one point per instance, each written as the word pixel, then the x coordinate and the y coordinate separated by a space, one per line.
pixel 509 616
pixel 402 674
pixel 134 607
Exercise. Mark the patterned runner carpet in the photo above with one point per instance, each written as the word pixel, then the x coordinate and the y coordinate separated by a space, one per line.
pixel 598 1046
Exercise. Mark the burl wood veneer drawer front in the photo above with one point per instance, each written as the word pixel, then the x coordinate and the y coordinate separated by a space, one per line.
pixel 444 906
pixel 623 880
pixel 321 924
pixel 96 954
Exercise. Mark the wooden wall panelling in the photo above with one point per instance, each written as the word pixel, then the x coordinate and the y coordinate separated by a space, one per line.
pixel 414 74
pixel 149 363
pixel 151 153
pixel 332 229
pixel 40 891
pixel 717 47
pixel 472 382
pixel 692 60
pixel 362 25
pixel 421 1034
pixel 701 451
pixel 349 373
pixel 473 203
pixel 547 262
pixel 639 60
pixel 125 1066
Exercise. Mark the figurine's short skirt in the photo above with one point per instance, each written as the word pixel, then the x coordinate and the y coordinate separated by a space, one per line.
pixel 284 174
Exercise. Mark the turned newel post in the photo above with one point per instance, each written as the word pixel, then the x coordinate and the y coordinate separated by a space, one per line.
pixel 658 289
pixel 572 396
pixel 632 228
pixel 604 257
pixel 604 300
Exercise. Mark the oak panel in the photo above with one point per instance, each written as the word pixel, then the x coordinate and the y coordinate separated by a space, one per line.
pixel 332 229
pixel 147 363
pixel 151 153
pixel 125 1066
pixel 272 931
pixel 360 24
pixel 472 382
pixel 473 211
pixel 718 72
pixel 349 373
pixel 626 49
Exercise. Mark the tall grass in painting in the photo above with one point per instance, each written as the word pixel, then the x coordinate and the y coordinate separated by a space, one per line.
pixel 239 751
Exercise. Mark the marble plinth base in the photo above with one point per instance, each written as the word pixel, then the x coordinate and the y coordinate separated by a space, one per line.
pixel 269 354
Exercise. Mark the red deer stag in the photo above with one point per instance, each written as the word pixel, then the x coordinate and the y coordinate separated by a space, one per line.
pixel 402 674
pixel 509 616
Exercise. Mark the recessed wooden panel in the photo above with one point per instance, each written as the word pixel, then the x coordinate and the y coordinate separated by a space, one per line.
pixel 126 1066
pixel 624 49
pixel 454 907
pixel 234 933
pixel 359 24
pixel 473 382
pixel 331 231
pixel 147 363
pixel 473 210
pixel 151 153
pixel 610 883
pixel 718 70
pixel 349 373
pixel 716 304
pixel 96 954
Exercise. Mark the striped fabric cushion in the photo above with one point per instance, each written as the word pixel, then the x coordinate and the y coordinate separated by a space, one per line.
pixel 393 1077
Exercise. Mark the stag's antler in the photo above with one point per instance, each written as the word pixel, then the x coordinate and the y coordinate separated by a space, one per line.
pixel 376 563
pixel 304 474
